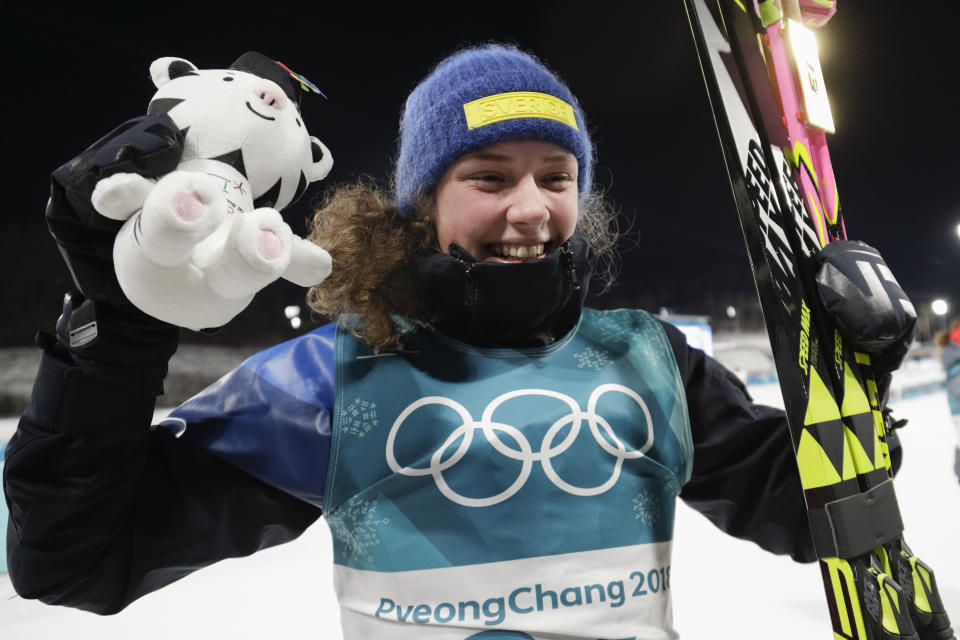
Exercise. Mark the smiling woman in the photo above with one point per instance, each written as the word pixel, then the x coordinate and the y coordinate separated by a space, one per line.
pixel 473 434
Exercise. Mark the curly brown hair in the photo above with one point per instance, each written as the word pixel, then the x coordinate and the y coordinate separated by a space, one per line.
pixel 372 244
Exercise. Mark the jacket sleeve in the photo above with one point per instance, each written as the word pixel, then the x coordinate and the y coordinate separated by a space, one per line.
pixel 745 477
pixel 104 508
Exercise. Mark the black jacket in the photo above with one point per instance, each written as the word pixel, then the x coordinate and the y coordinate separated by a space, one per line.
pixel 104 509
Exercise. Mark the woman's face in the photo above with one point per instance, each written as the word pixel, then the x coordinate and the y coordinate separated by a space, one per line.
pixel 508 202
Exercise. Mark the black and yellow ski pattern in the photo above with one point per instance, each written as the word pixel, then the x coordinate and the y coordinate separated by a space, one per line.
pixel 830 394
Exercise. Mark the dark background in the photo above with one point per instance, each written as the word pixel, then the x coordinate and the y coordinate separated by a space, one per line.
pixel 75 70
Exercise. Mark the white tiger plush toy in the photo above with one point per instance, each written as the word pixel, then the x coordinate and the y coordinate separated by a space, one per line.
pixel 199 242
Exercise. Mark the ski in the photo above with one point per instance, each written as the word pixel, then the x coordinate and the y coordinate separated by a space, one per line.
pixel 766 91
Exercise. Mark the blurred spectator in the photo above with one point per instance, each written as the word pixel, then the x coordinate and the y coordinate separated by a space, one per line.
pixel 949 341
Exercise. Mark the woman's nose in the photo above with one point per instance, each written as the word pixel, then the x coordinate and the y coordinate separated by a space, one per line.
pixel 528 205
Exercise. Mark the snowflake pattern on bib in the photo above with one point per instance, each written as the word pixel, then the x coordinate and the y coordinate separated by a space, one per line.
pixel 647 507
pixel 613 328
pixel 354 526
pixel 359 417
pixel 591 358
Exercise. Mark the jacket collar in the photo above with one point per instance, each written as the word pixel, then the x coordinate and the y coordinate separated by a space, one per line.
pixel 493 304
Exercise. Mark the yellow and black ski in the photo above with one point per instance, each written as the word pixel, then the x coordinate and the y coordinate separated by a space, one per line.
pixel 765 86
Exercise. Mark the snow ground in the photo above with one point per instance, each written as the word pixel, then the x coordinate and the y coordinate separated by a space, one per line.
pixel 723 588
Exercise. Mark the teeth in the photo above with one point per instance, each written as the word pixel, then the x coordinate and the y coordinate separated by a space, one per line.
pixel 521 252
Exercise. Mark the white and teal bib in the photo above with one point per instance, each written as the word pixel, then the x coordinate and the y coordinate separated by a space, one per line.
pixel 500 493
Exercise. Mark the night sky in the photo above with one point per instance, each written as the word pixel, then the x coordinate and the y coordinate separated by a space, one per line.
pixel 78 71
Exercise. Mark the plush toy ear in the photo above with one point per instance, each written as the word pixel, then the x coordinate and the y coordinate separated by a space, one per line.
pixel 163 70
pixel 322 161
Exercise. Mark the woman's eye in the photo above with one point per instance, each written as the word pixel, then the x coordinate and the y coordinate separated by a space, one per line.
pixel 487 178
pixel 559 179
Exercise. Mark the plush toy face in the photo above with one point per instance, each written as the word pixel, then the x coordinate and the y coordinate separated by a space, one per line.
pixel 243 120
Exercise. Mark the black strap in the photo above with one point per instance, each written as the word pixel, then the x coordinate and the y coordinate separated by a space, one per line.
pixel 853 526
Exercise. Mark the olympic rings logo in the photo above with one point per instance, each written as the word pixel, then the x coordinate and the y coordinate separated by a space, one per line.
pixel 600 429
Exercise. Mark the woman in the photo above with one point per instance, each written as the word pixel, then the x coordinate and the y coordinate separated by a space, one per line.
pixel 491 456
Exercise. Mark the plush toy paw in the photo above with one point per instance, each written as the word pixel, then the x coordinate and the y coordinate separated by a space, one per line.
pixel 121 195
pixel 256 251
pixel 310 264
pixel 183 209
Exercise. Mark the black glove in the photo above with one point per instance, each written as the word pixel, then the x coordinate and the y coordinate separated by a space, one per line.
pixel 860 293
pixel 149 145
pixel 99 324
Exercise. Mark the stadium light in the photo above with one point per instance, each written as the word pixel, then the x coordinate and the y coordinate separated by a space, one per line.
pixel 291 311
pixel 731 311
pixel 939 307
pixel 295 322
pixel 958 231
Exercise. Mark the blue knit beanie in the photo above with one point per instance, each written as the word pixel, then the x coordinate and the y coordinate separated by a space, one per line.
pixel 480 96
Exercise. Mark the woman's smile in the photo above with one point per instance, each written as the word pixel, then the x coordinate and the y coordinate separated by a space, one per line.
pixel 504 252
